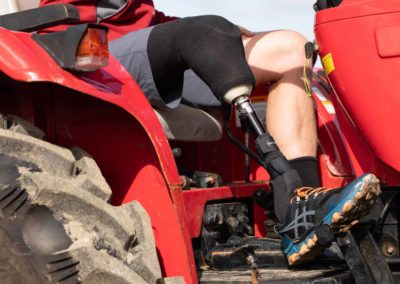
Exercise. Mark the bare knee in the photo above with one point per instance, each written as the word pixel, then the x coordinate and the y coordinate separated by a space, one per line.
pixel 273 54
pixel 292 46
pixel 288 47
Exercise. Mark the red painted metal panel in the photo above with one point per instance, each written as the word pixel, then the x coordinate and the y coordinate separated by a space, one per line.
pixel 365 82
pixel 332 150
pixel 350 9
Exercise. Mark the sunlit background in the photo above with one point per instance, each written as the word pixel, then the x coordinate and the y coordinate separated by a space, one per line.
pixel 255 15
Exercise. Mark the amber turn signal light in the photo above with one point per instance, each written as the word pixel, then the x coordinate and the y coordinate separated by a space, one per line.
pixel 92 52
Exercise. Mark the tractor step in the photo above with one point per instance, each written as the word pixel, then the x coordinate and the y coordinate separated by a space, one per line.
pixel 353 258
pixel 327 275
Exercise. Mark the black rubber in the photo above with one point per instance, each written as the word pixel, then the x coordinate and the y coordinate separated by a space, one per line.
pixel 55 223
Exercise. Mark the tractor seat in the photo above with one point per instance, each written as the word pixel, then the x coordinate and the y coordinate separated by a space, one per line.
pixel 186 123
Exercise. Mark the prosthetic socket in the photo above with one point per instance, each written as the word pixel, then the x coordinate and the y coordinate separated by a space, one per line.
pixel 284 179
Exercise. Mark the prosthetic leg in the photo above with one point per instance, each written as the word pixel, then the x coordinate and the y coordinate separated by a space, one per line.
pixel 212 47
pixel 284 179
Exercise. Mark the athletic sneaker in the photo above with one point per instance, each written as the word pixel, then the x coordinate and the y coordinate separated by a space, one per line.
pixel 315 215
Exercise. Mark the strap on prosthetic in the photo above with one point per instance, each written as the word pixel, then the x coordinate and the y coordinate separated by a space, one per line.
pixel 284 179
pixel 210 45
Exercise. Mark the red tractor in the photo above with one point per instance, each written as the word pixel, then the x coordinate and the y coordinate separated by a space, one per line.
pixel 165 197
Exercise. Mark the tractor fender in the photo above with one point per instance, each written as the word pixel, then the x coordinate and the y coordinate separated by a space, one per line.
pixel 23 60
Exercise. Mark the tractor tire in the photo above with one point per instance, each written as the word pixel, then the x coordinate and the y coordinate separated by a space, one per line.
pixel 56 225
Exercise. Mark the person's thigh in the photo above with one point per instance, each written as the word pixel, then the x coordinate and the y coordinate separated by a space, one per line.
pixel 196 93
pixel 131 51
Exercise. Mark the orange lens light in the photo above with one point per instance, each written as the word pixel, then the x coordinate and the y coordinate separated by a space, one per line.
pixel 93 51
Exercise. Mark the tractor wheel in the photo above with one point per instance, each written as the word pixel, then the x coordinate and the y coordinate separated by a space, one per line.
pixel 55 223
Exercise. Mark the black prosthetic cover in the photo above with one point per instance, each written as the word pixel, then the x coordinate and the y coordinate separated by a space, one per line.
pixel 303 172
pixel 210 45
pixel 284 186
pixel 284 179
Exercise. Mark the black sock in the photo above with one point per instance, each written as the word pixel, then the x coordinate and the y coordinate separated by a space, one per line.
pixel 307 168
